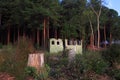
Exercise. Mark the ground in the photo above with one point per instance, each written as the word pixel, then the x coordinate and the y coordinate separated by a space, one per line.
pixel 6 76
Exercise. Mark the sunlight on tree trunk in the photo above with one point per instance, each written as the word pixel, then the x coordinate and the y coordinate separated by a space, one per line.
pixel 44 33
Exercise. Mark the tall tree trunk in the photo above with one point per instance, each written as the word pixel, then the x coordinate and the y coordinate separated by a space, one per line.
pixel 105 36
pixel 98 29
pixel 24 35
pixel 8 35
pixel 0 24
pixel 14 36
pixel 44 34
pixel 38 37
pixel 56 33
pixel 18 32
pixel 0 19
pixel 98 13
pixel 47 40
pixel 33 36
pixel 92 35
pixel 110 38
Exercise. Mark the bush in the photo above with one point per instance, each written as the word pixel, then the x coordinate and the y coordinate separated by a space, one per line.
pixel 13 58
pixel 92 61
pixel 42 75
pixel 31 71
pixel 117 74
pixel 75 69
pixel 112 54
pixel 23 48
pixel 1 45
pixel 6 58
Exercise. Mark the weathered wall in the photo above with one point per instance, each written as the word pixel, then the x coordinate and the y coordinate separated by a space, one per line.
pixel 76 47
pixel 56 45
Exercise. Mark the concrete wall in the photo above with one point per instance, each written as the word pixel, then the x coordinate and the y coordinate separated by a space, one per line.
pixel 74 45
pixel 56 45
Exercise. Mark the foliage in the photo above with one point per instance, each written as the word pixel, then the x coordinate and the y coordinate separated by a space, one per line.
pixel 92 61
pixel 112 54
pixel 42 75
pixel 117 74
pixel 1 45
pixel 23 48
pixel 31 71
pixel 57 63
pixel 13 58
pixel 6 58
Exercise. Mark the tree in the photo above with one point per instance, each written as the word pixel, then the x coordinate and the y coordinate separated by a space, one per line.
pixel 103 22
pixel 89 15
pixel 72 18
pixel 5 16
pixel 113 22
pixel 96 6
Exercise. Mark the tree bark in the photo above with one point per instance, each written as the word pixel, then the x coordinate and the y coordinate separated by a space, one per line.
pixel 110 38
pixel 44 34
pixel 105 36
pixel 56 33
pixel 33 36
pixel 38 37
pixel 36 60
pixel 8 35
pixel 24 35
pixel 18 34
pixel 48 33
pixel 92 35
pixel 14 36
pixel 0 19
pixel 98 23
pixel 98 28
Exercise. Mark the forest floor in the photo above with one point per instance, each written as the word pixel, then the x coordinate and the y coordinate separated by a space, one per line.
pixel 6 76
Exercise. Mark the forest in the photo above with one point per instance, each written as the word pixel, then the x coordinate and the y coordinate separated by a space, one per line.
pixel 40 20
pixel 26 26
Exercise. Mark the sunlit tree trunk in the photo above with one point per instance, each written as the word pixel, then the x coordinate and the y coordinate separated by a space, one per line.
pixel 44 34
pixel 97 13
pixel 98 29
pixel 92 35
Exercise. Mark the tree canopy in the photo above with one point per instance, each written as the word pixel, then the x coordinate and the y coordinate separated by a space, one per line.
pixel 78 19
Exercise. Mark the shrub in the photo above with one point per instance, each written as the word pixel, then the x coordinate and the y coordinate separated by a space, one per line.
pixel 42 75
pixel 31 71
pixel 117 74
pixel 112 54
pixel 1 45
pixel 6 58
pixel 75 69
pixel 13 58
pixel 92 61
pixel 23 48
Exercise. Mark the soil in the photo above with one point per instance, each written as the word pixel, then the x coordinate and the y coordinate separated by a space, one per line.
pixel 6 76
